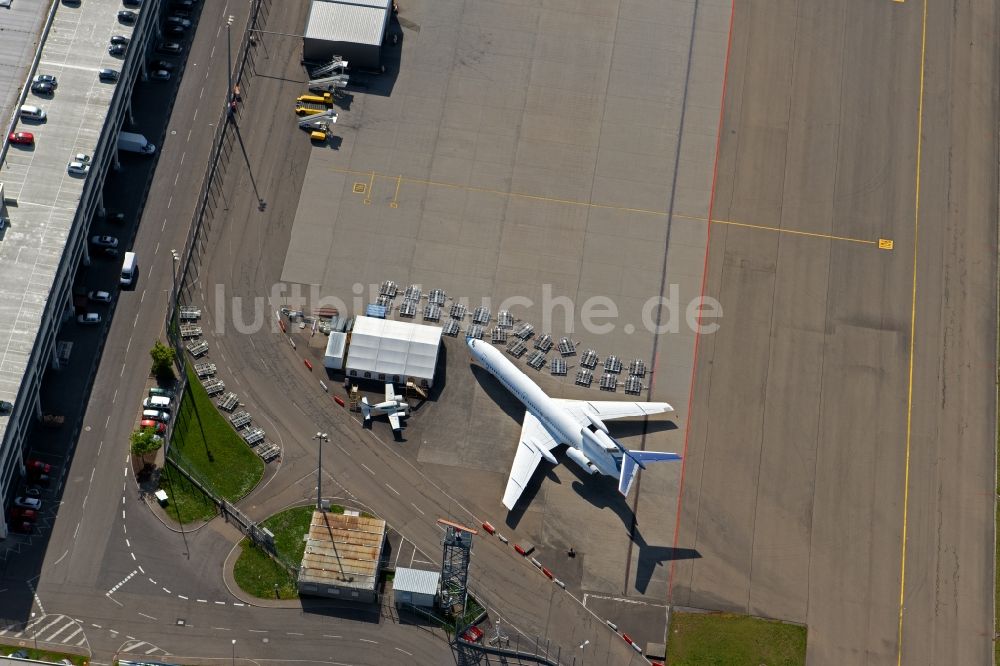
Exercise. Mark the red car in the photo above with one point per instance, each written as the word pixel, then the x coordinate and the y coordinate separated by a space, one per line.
pixel 28 515
pixel 38 467
pixel 23 138
pixel 156 425
pixel 473 634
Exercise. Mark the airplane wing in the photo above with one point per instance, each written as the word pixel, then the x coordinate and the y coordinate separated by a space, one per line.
pixel 606 410
pixel 534 444
pixel 390 394
pixel 394 420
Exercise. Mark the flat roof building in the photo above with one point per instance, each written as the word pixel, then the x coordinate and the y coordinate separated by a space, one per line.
pixel 342 557
pixel 393 351
pixel 351 29
pixel 415 587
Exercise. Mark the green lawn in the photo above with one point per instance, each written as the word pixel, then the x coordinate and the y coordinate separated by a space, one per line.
pixel 721 639
pixel 44 655
pixel 256 573
pixel 206 444
pixel 186 503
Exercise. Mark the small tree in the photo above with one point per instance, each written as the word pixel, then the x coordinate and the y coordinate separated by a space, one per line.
pixel 144 442
pixel 163 361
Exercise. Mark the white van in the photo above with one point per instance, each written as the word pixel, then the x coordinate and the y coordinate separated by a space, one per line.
pixel 130 269
pixel 156 402
pixel 31 112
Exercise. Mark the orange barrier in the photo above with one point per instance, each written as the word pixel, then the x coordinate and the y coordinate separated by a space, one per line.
pixel 337 399
pixel 281 323
pixel 308 364
pixel 547 573
pixel 489 528
pixel 520 551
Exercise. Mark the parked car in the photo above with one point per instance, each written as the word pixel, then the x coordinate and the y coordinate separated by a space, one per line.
pixel 22 527
pixel 160 75
pixel 182 4
pixel 38 467
pixel 473 634
pixel 32 491
pixel 163 64
pixel 78 168
pixel 46 78
pixel 40 480
pixel 117 49
pixel 100 296
pixel 161 393
pixel 155 425
pixel 157 402
pixel 28 503
pixel 23 514
pixel 127 16
pixel 174 30
pixel 108 75
pixel 169 48
pixel 83 158
pixel 110 252
pixel 179 20
pixel 104 241
pixel 156 415
pixel 115 218
pixel 89 318
pixel 120 39
pixel 42 88
pixel 22 138
pixel 131 3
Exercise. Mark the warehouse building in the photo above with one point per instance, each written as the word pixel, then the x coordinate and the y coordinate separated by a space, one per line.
pixel 351 29
pixel 414 587
pixel 392 351
pixel 342 557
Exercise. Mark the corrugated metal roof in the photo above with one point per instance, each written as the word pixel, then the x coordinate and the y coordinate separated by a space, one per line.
pixel 343 551
pixel 346 22
pixel 384 4
pixel 416 581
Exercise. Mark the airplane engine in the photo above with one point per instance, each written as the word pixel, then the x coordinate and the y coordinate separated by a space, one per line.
pixel 581 460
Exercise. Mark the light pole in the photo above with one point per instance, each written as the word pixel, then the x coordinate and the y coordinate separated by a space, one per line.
pixel 34 632
pixel 177 260
pixel 582 646
pixel 322 437
pixel 234 652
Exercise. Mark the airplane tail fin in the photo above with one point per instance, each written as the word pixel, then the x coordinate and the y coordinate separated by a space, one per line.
pixel 633 459
pixel 365 409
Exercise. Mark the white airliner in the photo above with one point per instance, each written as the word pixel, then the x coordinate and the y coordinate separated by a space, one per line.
pixel 549 422
pixel 394 407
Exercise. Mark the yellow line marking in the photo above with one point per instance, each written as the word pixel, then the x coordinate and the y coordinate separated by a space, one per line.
pixel 589 204
pixel 395 197
pixel 913 333
pixel 360 188
pixel 884 243
pixel 371 184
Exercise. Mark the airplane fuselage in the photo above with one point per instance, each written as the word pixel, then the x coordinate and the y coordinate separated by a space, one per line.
pixel 563 427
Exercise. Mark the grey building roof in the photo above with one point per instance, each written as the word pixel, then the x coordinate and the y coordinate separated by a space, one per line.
pixel 357 21
pixel 416 581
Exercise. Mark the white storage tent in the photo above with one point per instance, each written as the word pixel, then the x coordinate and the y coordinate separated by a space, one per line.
pixel 393 351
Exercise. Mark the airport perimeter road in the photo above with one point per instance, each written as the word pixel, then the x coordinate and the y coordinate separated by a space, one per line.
pixel 840 465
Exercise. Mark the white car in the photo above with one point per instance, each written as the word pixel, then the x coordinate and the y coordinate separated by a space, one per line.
pixel 89 318
pixel 83 158
pixel 78 168
pixel 46 78
pixel 28 503
pixel 104 241
pixel 156 415
pixel 100 296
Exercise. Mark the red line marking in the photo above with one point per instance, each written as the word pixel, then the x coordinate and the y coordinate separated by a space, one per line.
pixel 704 281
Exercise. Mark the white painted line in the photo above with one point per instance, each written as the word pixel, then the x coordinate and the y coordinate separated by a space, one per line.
pixel 169 201
pixel 166 590
pixel 71 636
pixel 368 468
pixel 202 601
pixel 391 488
pixel 148 616
pixel 418 509
pixel 293 633
pixel 221 603
pixel 127 544
pixel 236 603
pixel 410 654
pixel 182 158
pixel 181 596
pixel 152 650
pixel 133 556
pixel 329 636
pixel 142 571
pixel 365 640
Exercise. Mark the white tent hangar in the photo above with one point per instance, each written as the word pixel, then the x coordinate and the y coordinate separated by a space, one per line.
pixel 351 29
pixel 393 351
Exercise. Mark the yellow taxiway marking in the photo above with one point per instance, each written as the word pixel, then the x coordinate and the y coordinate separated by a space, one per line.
pixel 371 184
pixel 395 197
pixel 590 204
pixel 913 333
pixel 360 188
pixel 884 243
